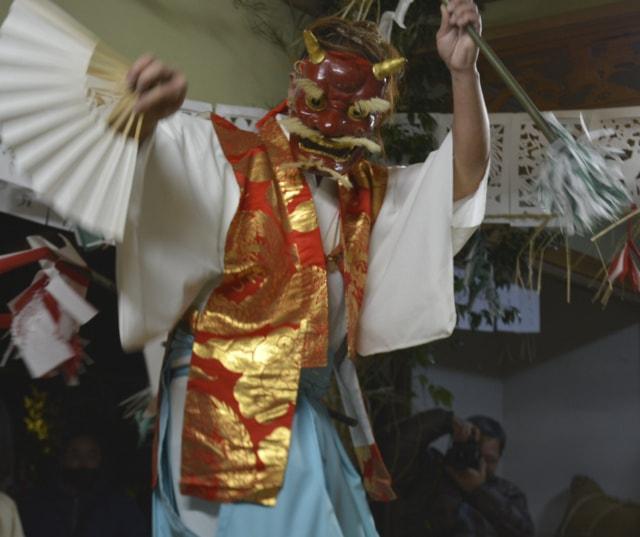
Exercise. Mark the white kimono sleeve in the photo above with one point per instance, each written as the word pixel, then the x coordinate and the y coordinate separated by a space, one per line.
pixel 185 196
pixel 409 291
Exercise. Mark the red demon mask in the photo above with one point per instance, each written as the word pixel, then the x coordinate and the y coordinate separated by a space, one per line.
pixel 335 105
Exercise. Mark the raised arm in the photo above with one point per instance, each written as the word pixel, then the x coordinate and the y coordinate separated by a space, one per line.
pixel 471 146
pixel 161 91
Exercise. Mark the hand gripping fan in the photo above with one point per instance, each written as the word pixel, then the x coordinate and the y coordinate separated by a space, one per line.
pixel 66 114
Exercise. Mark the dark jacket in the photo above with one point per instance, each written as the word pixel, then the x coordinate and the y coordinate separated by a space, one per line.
pixel 430 503
pixel 54 512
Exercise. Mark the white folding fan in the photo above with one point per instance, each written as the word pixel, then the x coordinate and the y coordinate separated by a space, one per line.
pixel 66 113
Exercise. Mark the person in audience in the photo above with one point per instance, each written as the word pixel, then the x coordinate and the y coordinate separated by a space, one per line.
pixel 10 525
pixel 452 494
pixel 80 500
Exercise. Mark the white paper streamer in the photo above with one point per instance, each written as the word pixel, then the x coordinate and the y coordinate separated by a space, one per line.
pixel 387 19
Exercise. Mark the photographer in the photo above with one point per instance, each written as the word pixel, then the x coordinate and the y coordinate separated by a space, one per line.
pixel 454 494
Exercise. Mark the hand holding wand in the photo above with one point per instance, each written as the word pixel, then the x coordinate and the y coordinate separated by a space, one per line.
pixel 580 181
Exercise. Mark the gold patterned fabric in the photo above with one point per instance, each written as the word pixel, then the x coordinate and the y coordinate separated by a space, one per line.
pixel 266 320
pixel 375 476
pixel 359 207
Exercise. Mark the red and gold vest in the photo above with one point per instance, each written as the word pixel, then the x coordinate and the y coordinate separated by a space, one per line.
pixel 268 318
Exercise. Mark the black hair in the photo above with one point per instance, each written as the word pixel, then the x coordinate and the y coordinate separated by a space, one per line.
pixel 490 428
pixel 81 428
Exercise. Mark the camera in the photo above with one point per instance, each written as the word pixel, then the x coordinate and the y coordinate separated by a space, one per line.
pixel 463 455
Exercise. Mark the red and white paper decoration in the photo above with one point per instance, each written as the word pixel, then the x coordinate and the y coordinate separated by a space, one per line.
pixel 624 265
pixel 45 318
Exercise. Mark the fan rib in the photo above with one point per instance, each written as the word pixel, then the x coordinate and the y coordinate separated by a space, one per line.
pixel 66 112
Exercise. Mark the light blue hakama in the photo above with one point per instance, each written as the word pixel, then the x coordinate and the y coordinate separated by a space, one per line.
pixel 322 494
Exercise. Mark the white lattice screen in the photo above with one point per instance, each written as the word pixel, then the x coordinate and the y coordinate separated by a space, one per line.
pixel 517 148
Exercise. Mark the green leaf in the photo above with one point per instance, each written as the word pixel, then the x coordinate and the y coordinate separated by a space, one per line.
pixel 441 396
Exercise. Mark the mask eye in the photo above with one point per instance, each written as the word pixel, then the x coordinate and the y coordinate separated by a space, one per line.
pixel 355 112
pixel 315 103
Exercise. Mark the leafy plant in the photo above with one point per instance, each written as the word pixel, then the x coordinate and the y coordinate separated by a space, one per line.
pixel 409 142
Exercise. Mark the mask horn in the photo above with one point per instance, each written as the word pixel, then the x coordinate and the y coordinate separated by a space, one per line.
pixel 314 50
pixel 386 68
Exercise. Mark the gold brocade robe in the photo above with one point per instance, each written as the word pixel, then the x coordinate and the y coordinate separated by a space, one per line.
pixel 268 318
